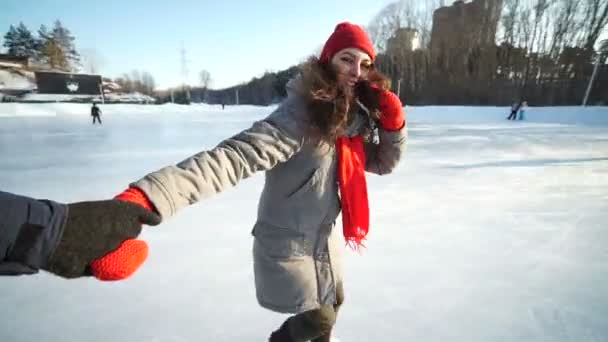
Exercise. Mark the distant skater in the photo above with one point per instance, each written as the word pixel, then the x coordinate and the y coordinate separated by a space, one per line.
pixel 514 109
pixel 96 113
pixel 522 110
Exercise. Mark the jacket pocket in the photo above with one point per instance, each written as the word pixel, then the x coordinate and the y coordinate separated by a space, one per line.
pixel 307 185
pixel 280 243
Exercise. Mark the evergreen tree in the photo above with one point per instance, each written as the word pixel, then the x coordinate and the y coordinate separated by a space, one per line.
pixel 43 37
pixel 26 40
pixel 20 41
pixel 65 41
pixel 10 40
pixel 54 55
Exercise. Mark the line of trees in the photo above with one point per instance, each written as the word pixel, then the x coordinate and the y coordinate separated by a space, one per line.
pixel 260 91
pixel 480 52
pixel 137 81
pixel 543 51
pixel 53 48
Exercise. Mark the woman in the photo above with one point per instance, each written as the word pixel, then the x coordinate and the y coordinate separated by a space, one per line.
pixel 337 122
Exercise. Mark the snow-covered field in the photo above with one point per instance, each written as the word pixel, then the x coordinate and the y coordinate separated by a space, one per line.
pixel 489 230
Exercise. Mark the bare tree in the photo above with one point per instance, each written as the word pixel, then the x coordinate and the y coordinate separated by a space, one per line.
pixel 532 28
pixel 205 78
pixel 384 24
pixel 424 19
pixel 125 83
pixel 205 81
pixel 564 26
pixel 140 81
pixel 595 20
pixel 413 14
pixel 148 83
pixel 509 21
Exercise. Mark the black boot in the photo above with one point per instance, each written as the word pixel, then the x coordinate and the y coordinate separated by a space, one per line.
pixel 281 335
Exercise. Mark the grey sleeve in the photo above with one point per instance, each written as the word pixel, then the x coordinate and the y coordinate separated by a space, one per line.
pixel 262 146
pixel 30 230
pixel 383 157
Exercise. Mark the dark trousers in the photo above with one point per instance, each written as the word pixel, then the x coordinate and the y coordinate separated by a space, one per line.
pixel 513 115
pixel 314 325
pixel 96 117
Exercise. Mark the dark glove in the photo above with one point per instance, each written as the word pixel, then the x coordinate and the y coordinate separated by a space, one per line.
pixel 392 115
pixel 367 95
pixel 92 230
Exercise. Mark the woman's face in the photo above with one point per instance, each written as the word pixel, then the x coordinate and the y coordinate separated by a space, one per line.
pixel 351 65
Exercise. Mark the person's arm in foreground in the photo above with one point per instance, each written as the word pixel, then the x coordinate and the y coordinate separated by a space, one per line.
pixel 64 239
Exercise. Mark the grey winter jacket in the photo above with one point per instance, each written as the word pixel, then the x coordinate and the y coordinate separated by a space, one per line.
pixel 296 246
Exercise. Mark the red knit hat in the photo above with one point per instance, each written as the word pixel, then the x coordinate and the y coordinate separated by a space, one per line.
pixel 347 35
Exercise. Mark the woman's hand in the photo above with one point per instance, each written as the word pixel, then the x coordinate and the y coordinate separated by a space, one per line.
pixel 392 115
pixel 94 229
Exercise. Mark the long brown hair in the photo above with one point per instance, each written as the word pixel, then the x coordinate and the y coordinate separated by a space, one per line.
pixel 329 104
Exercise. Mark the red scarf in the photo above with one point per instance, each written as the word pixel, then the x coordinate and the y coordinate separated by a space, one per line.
pixel 353 190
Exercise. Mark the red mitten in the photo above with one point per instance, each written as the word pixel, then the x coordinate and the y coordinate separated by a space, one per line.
pixel 392 117
pixel 122 262
pixel 131 254
pixel 134 195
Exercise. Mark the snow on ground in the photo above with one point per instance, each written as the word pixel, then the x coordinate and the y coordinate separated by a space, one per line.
pixel 489 230
pixel 16 80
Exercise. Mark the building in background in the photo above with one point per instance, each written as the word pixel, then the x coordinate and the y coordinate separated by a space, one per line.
pixel 404 39
pixel 68 83
pixel 461 28
pixel 15 61
pixel 463 35
pixel 23 81
pixel 15 77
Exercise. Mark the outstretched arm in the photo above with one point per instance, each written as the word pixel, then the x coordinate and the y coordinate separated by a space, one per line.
pixel 261 147
pixel 265 144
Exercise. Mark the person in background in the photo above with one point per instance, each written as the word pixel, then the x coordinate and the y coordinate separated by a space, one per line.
pixel 514 109
pixel 522 110
pixel 96 113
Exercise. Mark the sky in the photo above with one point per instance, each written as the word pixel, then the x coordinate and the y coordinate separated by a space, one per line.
pixel 487 230
pixel 235 40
